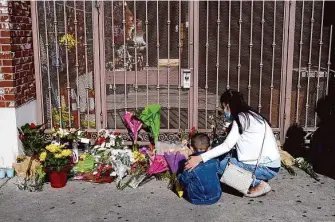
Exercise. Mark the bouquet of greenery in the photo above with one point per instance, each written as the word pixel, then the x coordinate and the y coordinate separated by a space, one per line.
pixel 32 138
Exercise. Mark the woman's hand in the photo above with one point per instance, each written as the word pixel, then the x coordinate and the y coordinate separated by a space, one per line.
pixel 193 162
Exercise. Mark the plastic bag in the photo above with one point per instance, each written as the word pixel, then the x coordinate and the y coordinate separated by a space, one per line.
pixel 162 148
pixel 158 164
pixel 175 161
pixel 86 165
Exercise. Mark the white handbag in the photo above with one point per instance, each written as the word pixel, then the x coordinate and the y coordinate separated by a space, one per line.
pixel 239 178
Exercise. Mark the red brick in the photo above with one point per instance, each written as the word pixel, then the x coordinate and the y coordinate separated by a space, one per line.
pixel 7 69
pixel 18 68
pixel 26 66
pixel 5 40
pixel 5 33
pixel 9 97
pixel 4 18
pixel 10 90
pixel 25 53
pixel 7 84
pixel 18 82
pixel 5 55
pixel 8 76
pixel 7 62
pixel 18 102
pixel 5 47
pixel 18 54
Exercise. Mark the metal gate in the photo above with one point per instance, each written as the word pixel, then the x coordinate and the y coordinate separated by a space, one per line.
pixel 98 59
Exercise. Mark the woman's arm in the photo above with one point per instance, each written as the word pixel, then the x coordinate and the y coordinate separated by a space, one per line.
pixel 225 147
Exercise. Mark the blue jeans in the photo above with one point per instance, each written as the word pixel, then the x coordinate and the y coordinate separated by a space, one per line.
pixel 262 172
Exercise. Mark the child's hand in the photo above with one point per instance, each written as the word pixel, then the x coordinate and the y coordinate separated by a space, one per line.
pixel 193 162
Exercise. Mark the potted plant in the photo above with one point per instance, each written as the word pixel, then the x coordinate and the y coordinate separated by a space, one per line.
pixel 56 162
pixel 32 138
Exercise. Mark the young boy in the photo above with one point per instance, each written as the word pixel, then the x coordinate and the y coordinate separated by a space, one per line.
pixel 202 184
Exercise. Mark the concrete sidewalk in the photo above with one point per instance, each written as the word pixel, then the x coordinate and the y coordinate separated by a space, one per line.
pixel 297 198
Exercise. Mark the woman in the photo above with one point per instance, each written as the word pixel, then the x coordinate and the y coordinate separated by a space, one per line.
pixel 250 132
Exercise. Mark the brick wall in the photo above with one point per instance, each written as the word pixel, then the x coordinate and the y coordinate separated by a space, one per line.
pixel 17 77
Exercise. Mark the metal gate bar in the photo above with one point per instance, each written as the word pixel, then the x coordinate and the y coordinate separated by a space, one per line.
pixel 319 64
pixel 250 50
pixel 273 58
pixel 329 56
pixel 309 65
pixel 299 68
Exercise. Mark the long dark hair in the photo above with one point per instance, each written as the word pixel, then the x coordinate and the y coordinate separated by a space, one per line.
pixel 238 106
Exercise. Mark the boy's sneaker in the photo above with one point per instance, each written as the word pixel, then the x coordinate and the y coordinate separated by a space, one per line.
pixel 262 189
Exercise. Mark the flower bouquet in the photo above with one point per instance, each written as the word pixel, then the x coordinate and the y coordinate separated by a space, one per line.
pixel 32 138
pixel 137 172
pixel 134 126
pixel 219 127
pixel 29 174
pixel 106 142
pixel 150 117
pixel 56 161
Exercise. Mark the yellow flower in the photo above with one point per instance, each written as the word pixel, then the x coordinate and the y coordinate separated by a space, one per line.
pixel 53 148
pixel 43 155
pixel 58 155
pixel 66 153
pixel 83 156
pixel 138 156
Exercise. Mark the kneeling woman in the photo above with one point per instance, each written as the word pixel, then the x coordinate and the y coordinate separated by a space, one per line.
pixel 249 133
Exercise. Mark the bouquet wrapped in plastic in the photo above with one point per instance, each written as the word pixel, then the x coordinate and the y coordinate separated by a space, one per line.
pixel 30 175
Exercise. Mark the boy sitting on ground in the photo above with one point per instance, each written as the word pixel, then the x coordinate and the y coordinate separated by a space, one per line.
pixel 202 184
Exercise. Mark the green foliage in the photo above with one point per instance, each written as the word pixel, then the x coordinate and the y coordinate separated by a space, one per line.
pixel 32 138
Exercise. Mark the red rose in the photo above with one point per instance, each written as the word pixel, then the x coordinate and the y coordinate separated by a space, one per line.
pixel 100 140
pixel 32 125
pixel 116 133
pixel 21 137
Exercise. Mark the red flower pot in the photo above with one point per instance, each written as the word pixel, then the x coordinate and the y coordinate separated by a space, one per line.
pixel 58 179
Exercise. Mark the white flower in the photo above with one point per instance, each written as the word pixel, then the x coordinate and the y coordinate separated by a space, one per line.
pixel 112 136
pixel 62 132
pixel 73 130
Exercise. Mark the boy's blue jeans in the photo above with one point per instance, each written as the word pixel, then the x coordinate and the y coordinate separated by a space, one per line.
pixel 262 172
